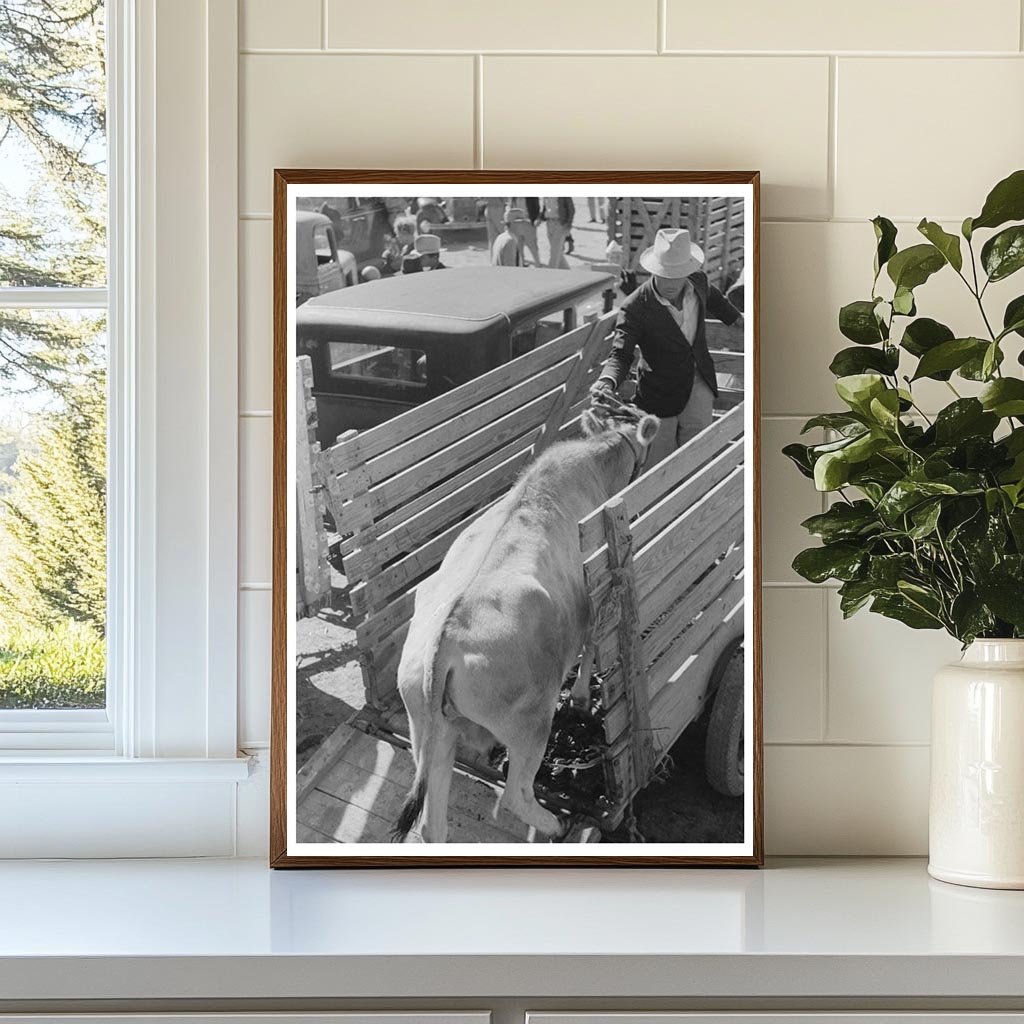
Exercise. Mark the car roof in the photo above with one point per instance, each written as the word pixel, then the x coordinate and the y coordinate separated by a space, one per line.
pixel 457 300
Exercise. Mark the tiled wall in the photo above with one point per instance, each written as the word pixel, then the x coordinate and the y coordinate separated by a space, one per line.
pixel 908 109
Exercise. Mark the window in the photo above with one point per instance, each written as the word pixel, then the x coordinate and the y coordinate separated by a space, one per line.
pixel 53 362
pixel 323 244
pixel 381 364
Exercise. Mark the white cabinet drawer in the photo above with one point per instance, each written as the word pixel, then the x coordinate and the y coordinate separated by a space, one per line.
pixel 776 1018
pixel 362 1017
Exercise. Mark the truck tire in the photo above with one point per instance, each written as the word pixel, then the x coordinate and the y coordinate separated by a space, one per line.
pixel 723 749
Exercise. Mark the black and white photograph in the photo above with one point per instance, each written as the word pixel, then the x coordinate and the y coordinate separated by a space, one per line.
pixel 515 548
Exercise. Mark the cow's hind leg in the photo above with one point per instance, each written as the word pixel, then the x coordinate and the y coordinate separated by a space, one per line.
pixel 434 822
pixel 525 752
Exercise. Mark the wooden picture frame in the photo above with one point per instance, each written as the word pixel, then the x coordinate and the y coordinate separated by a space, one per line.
pixel 619 541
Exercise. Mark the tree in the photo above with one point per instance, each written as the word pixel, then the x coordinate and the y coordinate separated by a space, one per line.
pixel 53 519
pixel 52 123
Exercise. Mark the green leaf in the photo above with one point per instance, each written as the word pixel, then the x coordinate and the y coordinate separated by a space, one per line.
pixel 834 420
pixel 885 238
pixel 858 389
pixel 1005 202
pixel 887 570
pixel 897 607
pixel 1003 254
pixel 991 360
pixel 843 521
pixel 947 244
pixel 885 409
pixel 800 456
pixel 840 561
pixel 912 267
pixel 966 417
pixel 924 334
pixel 1005 597
pixel 949 355
pixel 831 471
pixel 965 229
pixel 854 360
pixel 925 518
pixel 1013 317
pixel 857 322
pixel 854 594
pixel 906 494
pixel 974 368
pixel 903 302
pixel 1004 397
pixel 971 617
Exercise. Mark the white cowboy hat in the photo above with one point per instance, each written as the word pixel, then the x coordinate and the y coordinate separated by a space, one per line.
pixel 427 244
pixel 673 254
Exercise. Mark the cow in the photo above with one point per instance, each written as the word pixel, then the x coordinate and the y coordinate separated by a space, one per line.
pixel 499 624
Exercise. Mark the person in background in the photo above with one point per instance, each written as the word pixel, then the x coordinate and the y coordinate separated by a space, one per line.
pixel 412 263
pixel 399 245
pixel 429 213
pixel 494 218
pixel 429 249
pixel 595 206
pixel 665 319
pixel 531 205
pixel 559 214
pixel 507 250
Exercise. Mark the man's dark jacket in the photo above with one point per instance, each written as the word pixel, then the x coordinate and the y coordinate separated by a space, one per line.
pixel 671 362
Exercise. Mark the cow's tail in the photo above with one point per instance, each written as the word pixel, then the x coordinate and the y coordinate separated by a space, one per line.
pixel 434 696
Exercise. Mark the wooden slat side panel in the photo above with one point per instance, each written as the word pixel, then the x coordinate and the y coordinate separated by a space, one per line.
pixel 656 560
pixel 665 672
pixel 376 441
pixel 405 533
pixel 653 485
pixel 682 616
pixel 666 512
pixel 659 598
pixel 675 707
pixel 412 450
pixel 413 481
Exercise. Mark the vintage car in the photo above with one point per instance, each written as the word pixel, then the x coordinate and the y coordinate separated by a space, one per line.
pixel 320 266
pixel 391 344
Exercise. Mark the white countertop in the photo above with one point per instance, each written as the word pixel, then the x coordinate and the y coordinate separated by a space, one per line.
pixel 234 929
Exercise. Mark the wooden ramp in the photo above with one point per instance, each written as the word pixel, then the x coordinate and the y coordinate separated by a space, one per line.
pixel 353 787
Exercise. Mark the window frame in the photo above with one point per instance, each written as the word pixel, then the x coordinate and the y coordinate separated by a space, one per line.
pixel 173 434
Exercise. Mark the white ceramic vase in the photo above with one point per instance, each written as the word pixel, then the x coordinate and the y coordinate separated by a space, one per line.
pixel 976 817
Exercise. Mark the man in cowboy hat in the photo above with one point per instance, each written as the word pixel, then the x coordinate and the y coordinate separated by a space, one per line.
pixel 428 247
pixel 664 318
pixel 508 246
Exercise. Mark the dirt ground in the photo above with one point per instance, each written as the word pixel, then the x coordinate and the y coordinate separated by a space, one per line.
pixel 681 807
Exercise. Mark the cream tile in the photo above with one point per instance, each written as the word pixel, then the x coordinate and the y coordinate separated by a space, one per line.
pixel 351 111
pixel 869 25
pixel 254 609
pixel 794 663
pixel 495 25
pixel 787 499
pixel 680 113
pixel 273 24
pixel 964 132
pixel 879 677
pixel 808 271
pixel 847 801
pixel 255 509
pixel 255 315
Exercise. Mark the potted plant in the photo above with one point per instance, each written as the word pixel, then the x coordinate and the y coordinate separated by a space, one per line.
pixel 926 521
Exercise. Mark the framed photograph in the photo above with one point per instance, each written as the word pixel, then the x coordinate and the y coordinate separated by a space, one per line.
pixel 516 552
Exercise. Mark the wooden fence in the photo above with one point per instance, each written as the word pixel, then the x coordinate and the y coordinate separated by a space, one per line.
pixel 664 567
pixel 715 224
pixel 403 491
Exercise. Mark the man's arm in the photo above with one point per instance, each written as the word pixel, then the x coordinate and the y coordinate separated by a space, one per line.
pixel 625 339
pixel 721 308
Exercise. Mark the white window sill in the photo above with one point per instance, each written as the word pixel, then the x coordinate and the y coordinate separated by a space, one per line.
pixel 79 767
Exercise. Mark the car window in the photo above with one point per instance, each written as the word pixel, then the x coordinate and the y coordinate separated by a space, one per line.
pixel 381 364
pixel 323 243
pixel 588 309
pixel 550 327
pixel 524 339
